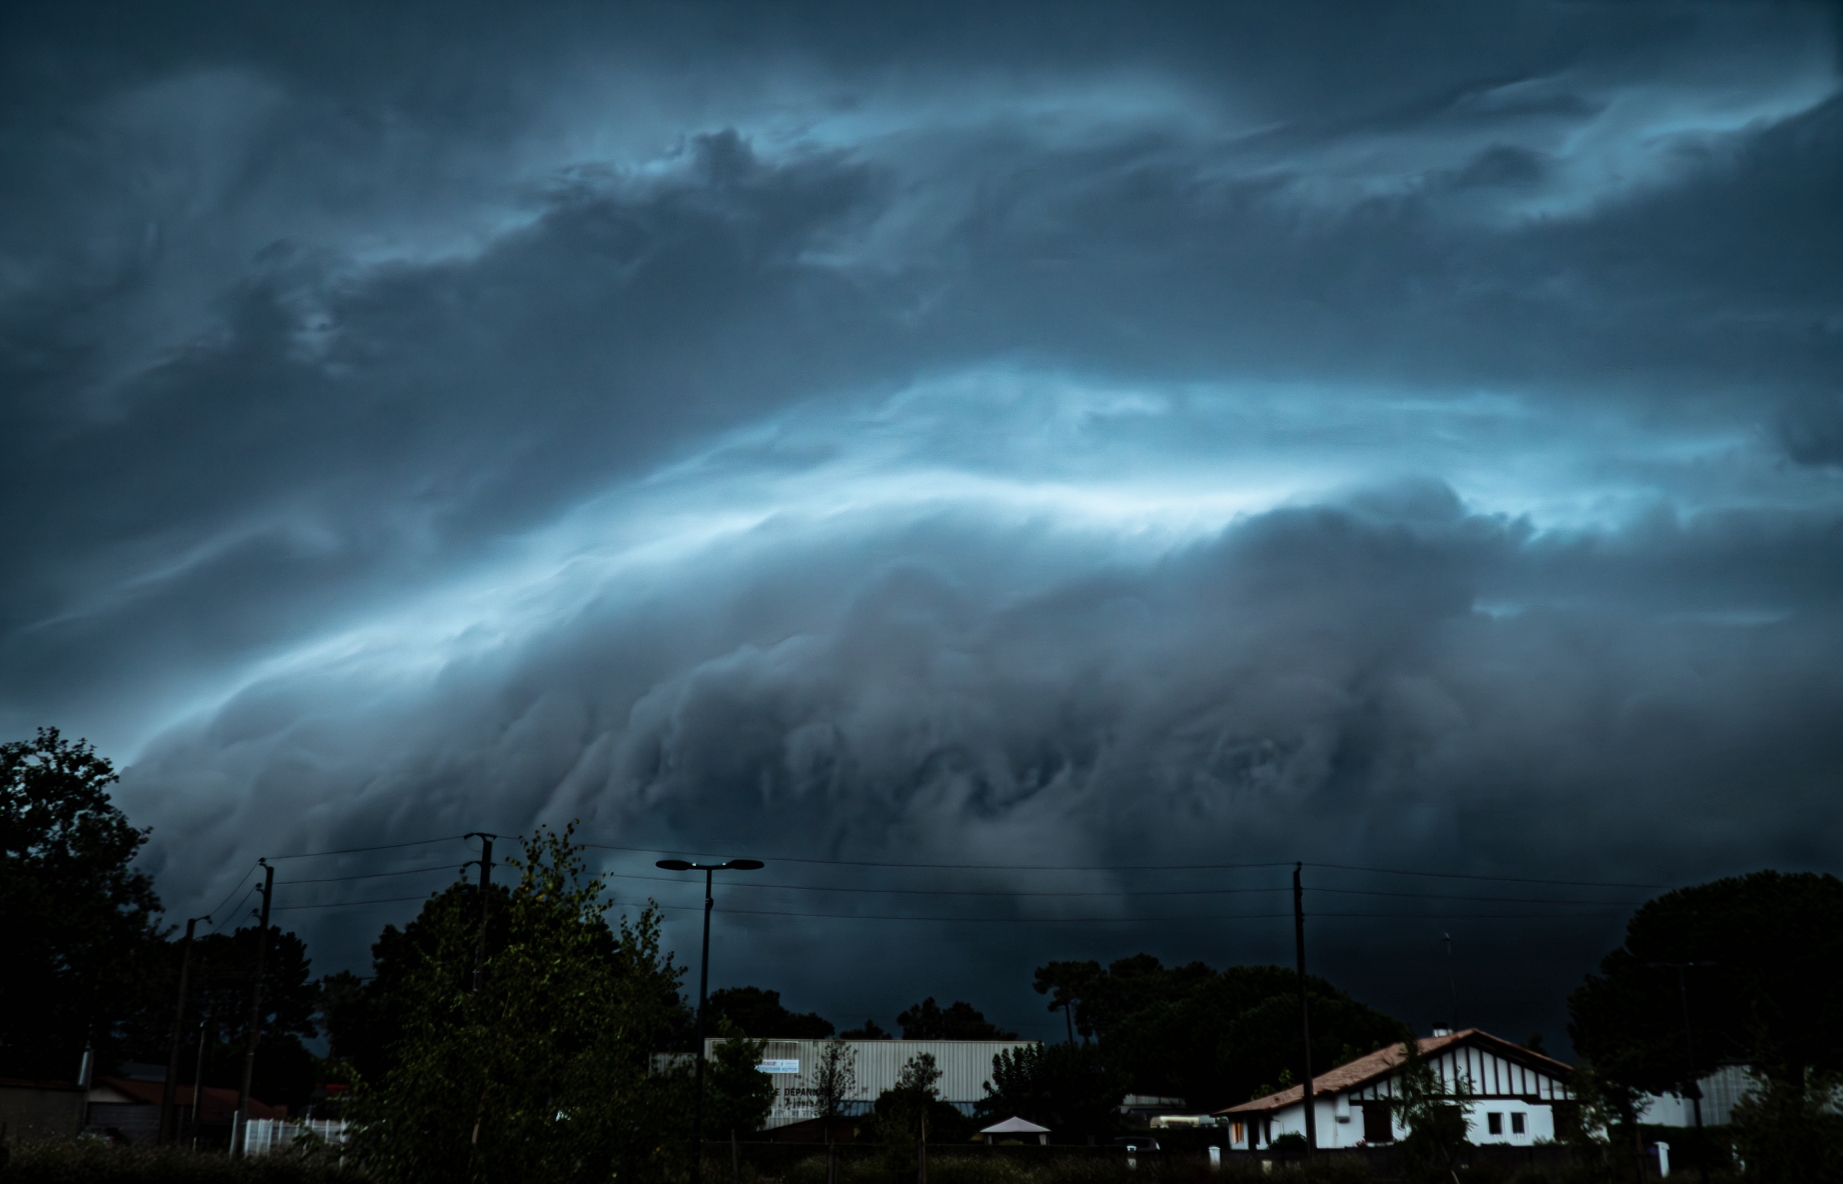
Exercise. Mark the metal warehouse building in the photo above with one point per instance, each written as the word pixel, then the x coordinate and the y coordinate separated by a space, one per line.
pixel 965 1065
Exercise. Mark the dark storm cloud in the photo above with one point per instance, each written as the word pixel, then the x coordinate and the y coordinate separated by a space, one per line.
pixel 1378 435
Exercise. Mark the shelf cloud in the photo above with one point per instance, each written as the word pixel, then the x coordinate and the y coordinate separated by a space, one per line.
pixel 1401 437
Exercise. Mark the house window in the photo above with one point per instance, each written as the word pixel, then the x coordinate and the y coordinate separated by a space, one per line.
pixel 1494 1122
pixel 1376 1123
pixel 1516 1124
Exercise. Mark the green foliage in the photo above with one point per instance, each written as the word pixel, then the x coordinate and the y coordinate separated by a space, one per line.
pixel 544 1073
pixel 927 1020
pixel 759 1013
pixel 1072 1089
pixel 1791 1131
pixel 737 1095
pixel 366 1020
pixel 1601 1108
pixel 1771 998
pixel 835 1079
pixel 79 920
pixel 1210 1037
pixel 92 1161
pixel 896 1120
pixel 1433 1113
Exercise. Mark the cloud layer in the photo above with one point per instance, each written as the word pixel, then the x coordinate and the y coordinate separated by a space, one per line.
pixel 1371 437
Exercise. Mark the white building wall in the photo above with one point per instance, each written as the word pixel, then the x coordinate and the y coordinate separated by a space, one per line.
pixel 1499 1086
pixel 965 1065
pixel 1722 1090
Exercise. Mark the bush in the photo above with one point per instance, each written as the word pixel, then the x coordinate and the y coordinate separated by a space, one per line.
pixel 91 1161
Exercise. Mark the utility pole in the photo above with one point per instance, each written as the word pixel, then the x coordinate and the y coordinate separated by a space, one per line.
pixel 198 1072
pixel 1305 1011
pixel 1452 983
pixel 1693 1089
pixel 240 1137
pixel 486 883
pixel 168 1118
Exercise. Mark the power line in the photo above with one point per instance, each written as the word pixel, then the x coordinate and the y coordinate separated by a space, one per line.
pixel 1390 871
pixel 1137 867
pixel 228 895
pixel 1141 920
pixel 1000 892
pixel 1008 867
pixel 343 904
pixel 409 871
pixel 359 850
pixel 753 885
pixel 1023 920
pixel 219 923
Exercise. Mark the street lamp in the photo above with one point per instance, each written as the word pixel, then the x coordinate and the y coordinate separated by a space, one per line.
pixel 697 1101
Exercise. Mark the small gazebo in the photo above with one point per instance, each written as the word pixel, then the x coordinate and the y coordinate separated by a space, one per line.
pixel 1015 1126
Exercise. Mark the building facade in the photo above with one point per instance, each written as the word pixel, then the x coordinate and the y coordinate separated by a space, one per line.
pixel 965 1065
pixel 1512 1096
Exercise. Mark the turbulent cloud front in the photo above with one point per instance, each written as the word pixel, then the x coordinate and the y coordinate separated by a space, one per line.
pixel 1400 437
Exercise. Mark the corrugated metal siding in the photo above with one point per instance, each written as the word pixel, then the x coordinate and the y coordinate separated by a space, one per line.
pixel 965 1065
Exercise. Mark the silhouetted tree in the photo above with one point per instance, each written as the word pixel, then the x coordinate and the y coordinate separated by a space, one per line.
pixel 927 1020
pixel 77 922
pixel 758 1013
pixel 1069 1088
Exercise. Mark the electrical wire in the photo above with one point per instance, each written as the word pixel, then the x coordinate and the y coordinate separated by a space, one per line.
pixel 343 904
pixel 359 850
pixel 219 924
pixel 410 871
pixel 1141 920
pixel 1007 867
pixel 228 895
pixel 1390 871
pixel 1139 867
pixel 998 892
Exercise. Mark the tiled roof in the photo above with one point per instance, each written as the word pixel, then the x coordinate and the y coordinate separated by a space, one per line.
pixel 1365 1069
pixel 217 1105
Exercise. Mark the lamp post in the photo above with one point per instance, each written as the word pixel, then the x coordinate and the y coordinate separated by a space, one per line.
pixel 697 1101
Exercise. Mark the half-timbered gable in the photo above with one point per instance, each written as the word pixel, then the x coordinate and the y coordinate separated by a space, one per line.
pixel 1510 1095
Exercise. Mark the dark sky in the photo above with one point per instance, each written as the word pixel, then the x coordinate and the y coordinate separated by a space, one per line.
pixel 1374 435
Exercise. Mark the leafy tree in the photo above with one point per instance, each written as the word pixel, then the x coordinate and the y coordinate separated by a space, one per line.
pixel 737 1094
pixel 1788 1134
pixel 1432 1112
pixel 1602 1120
pixel 898 1118
pixel 367 1019
pixel 1768 994
pixel 927 1020
pixel 1070 1088
pixel 78 923
pixel 222 964
pixel 545 1072
pixel 871 1030
pixel 1211 1037
pixel 759 1013
pixel 835 1081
